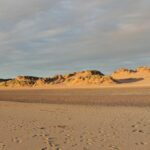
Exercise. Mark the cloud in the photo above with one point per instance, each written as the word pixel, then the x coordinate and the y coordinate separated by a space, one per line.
pixel 48 36
pixel 16 10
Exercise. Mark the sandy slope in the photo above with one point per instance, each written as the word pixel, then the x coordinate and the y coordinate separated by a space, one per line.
pixel 138 77
pixel 73 127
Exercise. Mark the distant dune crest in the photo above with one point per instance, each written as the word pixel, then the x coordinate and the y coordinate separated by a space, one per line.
pixel 125 73
pixel 141 75
pixel 143 69
pixel 130 71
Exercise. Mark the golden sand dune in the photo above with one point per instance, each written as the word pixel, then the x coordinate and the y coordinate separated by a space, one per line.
pixel 125 73
pixel 139 76
pixel 123 76
pixel 89 77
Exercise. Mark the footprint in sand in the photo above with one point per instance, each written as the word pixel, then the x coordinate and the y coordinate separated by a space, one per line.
pixel 74 145
pixel 17 140
pixel 141 131
pixel 85 148
pixel 134 130
pixel 114 147
pixel 89 141
pixel 53 144
pixel 140 143
pixel 2 146
pixel 133 126
pixel 42 128
pixel 138 122
pixel 45 148
pixel 35 135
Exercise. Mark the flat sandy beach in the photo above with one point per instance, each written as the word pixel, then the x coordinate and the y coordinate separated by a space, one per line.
pixel 111 96
pixel 75 119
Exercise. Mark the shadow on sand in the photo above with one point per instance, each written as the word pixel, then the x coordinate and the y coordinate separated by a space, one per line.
pixel 129 80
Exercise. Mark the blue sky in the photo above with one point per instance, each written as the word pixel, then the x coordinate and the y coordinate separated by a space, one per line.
pixel 46 37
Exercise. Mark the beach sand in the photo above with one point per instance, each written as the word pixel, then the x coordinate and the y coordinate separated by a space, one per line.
pixel 58 122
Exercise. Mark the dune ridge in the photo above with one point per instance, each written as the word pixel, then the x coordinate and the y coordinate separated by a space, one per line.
pixel 125 72
pixel 140 75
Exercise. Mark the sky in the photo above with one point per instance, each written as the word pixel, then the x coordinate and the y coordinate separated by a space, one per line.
pixel 47 37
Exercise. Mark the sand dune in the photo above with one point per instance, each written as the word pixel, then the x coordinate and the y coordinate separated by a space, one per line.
pixel 140 76
pixel 83 78
pixel 88 78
